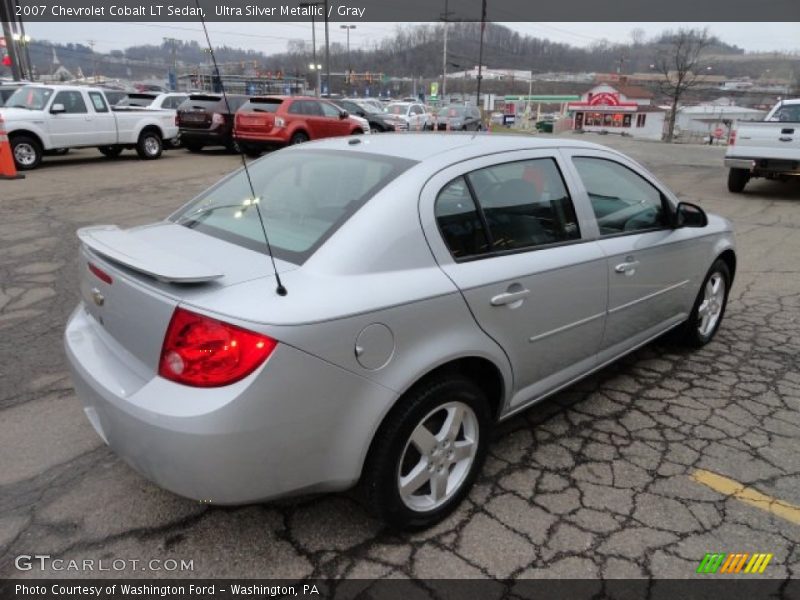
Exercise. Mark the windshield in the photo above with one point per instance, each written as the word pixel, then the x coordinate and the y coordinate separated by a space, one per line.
pixel 370 109
pixel 32 98
pixel 304 197
pixel 788 113
pixel 397 109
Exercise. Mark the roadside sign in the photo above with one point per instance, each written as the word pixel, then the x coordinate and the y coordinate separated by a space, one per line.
pixel 718 132
pixel 434 90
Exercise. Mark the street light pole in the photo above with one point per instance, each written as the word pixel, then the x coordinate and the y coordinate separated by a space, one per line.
pixel 327 52
pixel 480 52
pixel 347 28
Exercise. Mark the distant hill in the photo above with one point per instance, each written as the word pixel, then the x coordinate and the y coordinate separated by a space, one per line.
pixel 412 52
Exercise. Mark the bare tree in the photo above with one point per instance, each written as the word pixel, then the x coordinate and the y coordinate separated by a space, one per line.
pixel 680 62
pixel 638 36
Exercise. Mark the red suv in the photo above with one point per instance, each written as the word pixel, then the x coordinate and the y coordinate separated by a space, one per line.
pixel 268 121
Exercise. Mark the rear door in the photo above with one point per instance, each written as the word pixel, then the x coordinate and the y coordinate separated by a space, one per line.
pixel 103 124
pixel 652 268
pixel 507 232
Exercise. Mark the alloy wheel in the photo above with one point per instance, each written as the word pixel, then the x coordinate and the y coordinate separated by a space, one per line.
pixel 710 308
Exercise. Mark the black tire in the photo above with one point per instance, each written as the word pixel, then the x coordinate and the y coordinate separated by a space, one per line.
pixel 298 137
pixel 27 152
pixel 737 179
pixel 382 467
pixel 150 145
pixel 110 151
pixel 689 333
pixel 192 147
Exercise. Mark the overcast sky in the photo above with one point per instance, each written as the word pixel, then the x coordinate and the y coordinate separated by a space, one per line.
pixel 272 37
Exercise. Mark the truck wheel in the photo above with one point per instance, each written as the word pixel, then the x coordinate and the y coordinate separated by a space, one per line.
pixel 427 453
pixel 27 152
pixel 150 146
pixel 737 179
pixel 110 151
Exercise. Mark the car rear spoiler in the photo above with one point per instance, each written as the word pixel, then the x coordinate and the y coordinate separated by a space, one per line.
pixel 125 248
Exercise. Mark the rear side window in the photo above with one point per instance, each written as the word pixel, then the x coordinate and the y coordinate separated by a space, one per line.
pixel 459 222
pixel 98 102
pixel 522 204
pixel 269 105
pixel 304 197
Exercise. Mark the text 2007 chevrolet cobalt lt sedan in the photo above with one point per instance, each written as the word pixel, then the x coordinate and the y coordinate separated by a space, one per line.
pixel 434 285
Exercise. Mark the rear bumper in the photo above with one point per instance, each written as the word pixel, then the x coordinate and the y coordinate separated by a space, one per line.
pixel 207 137
pixel 268 139
pixel 765 165
pixel 296 424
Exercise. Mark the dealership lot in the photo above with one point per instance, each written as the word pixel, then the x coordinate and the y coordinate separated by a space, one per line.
pixel 615 477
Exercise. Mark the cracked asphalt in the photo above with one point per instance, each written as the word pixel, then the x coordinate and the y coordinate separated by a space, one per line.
pixel 594 482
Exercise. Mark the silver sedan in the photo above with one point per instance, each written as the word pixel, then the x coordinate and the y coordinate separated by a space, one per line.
pixel 416 290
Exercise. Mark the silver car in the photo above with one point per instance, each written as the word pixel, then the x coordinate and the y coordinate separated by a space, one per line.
pixel 431 285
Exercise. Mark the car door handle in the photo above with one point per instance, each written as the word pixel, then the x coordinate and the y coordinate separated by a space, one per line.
pixel 627 267
pixel 509 297
pixel 785 139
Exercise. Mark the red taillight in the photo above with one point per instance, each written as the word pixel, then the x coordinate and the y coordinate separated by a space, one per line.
pixel 177 119
pixel 732 138
pixel 204 352
pixel 100 274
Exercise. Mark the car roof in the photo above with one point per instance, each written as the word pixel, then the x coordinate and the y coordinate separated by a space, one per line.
pixel 422 146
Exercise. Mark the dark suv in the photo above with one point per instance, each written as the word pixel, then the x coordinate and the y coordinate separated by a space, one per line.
pixel 204 120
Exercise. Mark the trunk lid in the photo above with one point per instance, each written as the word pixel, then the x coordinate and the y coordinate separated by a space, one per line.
pixel 152 269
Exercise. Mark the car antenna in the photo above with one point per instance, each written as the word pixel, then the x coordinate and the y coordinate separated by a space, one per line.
pixel 280 290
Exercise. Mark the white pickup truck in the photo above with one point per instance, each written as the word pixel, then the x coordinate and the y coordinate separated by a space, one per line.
pixel 47 118
pixel 770 148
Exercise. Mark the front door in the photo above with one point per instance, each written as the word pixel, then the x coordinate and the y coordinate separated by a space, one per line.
pixel 334 123
pixel 513 245
pixel 72 127
pixel 651 272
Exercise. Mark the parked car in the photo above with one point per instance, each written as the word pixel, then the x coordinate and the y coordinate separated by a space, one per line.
pixel 266 122
pixel 376 119
pixel 462 280
pixel 169 101
pixel 407 116
pixel 458 117
pixel 768 149
pixel 206 119
pixel 114 96
pixel 6 89
pixel 43 119
pixel 373 102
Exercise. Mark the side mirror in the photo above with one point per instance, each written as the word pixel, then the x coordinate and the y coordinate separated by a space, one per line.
pixel 343 114
pixel 690 215
pixel 57 108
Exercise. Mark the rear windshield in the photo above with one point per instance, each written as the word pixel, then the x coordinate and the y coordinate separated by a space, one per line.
pixel 269 105
pixel 304 196
pixel 213 102
pixel 397 109
pixel 137 100
pixel 456 111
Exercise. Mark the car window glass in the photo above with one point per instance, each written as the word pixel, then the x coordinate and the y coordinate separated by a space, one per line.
pixel 459 222
pixel 304 196
pixel 98 102
pixel 526 204
pixel 72 101
pixel 329 110
pixel 622 200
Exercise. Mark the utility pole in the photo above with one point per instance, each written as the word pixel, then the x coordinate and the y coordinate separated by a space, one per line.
pixel 312 5
pixel 94 62
pixel 173 82
pixel 480 52
pixel 445 18
pixel 11 46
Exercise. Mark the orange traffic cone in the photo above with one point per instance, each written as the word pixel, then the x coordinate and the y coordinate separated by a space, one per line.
pixel 8 170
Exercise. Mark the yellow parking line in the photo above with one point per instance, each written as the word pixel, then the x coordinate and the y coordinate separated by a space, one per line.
pixel 748 495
